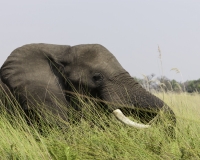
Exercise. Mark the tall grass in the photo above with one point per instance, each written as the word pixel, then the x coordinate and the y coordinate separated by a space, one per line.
pixel 100 136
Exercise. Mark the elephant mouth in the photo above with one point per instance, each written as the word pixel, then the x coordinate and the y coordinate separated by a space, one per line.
pixel 121 117
pixel 118 113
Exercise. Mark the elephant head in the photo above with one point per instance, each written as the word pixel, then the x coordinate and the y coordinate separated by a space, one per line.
pixel 33 72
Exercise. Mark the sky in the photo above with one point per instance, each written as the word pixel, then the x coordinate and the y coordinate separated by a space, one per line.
pixel 132 30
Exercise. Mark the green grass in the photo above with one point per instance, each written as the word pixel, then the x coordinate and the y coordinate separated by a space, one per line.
pixel 101 136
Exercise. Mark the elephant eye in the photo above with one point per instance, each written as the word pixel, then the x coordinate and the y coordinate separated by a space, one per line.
pixel 97 77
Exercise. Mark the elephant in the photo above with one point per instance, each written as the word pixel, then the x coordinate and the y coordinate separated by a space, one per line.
pixel 43 73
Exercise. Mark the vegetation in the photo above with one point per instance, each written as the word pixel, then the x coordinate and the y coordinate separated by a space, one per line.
pixel 101 136
pixel 160 84
pixel 193 86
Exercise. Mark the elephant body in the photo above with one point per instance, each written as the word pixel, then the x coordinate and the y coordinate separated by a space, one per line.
pixel 41 73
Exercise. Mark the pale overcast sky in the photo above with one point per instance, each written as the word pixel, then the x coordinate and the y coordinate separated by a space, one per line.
pixel 131 29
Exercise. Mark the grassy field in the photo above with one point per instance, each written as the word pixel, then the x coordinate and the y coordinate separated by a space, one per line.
pixel 101 136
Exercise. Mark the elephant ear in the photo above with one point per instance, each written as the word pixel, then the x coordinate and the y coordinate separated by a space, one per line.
pixel 29 72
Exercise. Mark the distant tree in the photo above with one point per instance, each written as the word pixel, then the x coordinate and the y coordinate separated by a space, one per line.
pixel 160 84
pixel 164 84
pixel 176 86
pixel 192 86
pixel 149 82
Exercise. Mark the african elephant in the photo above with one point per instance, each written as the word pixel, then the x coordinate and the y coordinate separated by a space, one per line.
pixel 35 72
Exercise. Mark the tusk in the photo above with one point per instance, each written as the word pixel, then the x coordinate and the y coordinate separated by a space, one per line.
pixel 118 113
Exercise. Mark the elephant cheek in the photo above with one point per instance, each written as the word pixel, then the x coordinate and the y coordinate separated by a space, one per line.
pixel 113 99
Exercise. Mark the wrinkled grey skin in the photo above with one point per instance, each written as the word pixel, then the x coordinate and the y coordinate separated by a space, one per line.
pixel 34 71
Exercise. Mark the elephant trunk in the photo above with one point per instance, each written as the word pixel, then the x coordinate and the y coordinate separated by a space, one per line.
pixel 126 93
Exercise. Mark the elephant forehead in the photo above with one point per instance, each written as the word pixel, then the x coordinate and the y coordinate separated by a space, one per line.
pixel 91 53
pixel 95 57
pixel 110 65
pixel 99 61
